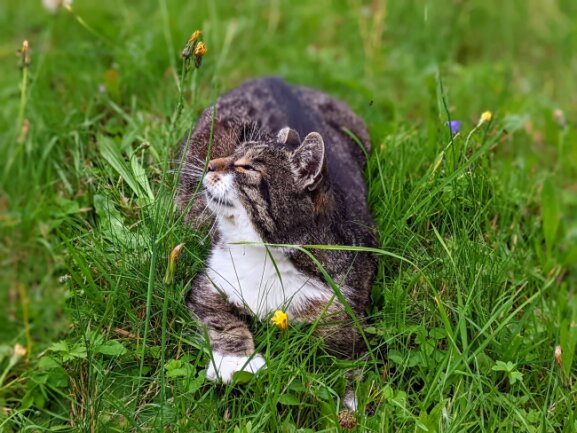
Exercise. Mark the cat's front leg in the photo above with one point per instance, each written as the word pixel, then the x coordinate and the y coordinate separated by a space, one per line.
pixel 230 339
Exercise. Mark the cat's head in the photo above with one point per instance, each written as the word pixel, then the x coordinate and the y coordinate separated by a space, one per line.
pixel 278 185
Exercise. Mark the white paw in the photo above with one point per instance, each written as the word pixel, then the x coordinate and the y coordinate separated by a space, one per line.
pixel 350 401
pixel 221 367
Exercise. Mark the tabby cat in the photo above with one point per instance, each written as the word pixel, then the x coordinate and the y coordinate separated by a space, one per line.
pixel 263 185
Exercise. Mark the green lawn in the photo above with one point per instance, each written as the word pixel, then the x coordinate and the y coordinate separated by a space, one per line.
pixel 477 279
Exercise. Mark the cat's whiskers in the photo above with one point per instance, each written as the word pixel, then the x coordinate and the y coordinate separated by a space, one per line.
pixel 212 228
pixel 179 162
pixel 205 208
pixel 202 162
pixel 193 173
pixel 203 216
pixel 188 170
pixel 199 167
pixel 217 211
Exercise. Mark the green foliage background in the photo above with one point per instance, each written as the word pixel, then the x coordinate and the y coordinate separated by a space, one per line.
pixel 463 337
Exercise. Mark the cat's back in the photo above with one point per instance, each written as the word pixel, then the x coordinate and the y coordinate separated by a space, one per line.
pixel 271 104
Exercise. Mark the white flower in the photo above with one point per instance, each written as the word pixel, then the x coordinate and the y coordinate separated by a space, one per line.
pixel 64 278
pixel 19 351
pixel 54 5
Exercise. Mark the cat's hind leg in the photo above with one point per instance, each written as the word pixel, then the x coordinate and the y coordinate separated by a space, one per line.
pixel 341 337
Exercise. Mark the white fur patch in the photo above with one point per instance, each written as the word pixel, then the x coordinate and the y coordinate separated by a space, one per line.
pixel 220 193
pixel 350 401
pixel 221 367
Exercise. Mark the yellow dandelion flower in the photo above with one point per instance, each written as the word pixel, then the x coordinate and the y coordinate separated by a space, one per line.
pixel 200 50
pixel 280 319
pixel 485 117
pixel 199 53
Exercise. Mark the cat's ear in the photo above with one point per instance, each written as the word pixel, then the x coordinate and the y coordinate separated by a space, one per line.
pixel 307 161
pixel 289 136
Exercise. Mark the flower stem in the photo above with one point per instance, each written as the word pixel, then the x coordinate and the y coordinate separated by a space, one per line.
pixel 23 96
pixel 86 26
pixel 26 318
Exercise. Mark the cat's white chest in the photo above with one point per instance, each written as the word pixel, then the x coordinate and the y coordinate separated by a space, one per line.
pixel 247 275
pixel 258 279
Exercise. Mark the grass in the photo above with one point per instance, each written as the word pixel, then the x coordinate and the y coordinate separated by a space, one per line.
pixel 477 282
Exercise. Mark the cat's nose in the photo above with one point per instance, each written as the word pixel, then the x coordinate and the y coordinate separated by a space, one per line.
pixel 218 164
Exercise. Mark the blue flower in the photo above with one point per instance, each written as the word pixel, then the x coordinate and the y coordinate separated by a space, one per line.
pixel 455 126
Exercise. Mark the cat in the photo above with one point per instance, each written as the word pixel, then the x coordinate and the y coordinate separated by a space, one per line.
pixel 264 185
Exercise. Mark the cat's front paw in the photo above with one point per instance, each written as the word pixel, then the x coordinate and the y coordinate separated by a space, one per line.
pixel 221 367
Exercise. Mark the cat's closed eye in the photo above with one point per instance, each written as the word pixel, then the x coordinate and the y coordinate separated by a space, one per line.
pixel 245 167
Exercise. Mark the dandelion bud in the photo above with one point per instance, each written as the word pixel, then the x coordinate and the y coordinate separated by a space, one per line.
pixel 24 54
pixel 194 37
pixel 190 47
pixel 175 253
pixel 199 53
pixel 19 350
pixel 559 117
pixel 24 130
pixel 186 53
pixel 200 50
pixel 171 268
pixel 559 356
